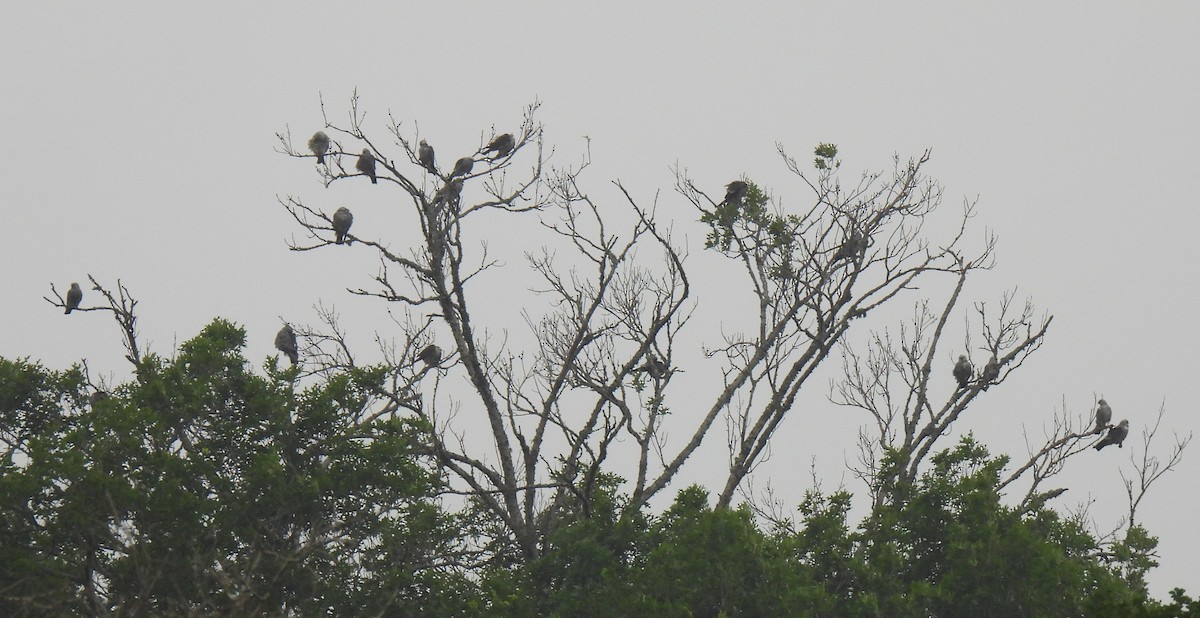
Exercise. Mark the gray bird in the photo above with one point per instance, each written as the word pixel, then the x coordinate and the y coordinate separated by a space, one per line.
pixel 735 192
pixel 285 341
pixel 1103 416
pixel 463 166
pixel 449 191
pixel 319 145
pixel 431 355
pixel 342 220
pixel 962 371
pixel 366 165
pixel 655 367
pixel 1116 435
pixel 425 156
pixel 74 297
pixel 991 371
pixel 853 247
pixel 502 145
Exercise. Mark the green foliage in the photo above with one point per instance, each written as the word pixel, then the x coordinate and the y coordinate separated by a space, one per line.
pixel 825 156
pixel 749 226
pixel 202 487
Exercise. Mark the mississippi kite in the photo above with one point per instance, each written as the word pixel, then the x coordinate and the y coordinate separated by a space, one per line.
pixel 431 355
pixel 425 156
pixel 735 192
pixel 285 341
pixel 319 145
pixel 342 220
pixel 962 371
pixel 1116 435
pixel 74 297
pixel 366 165
pixel 1103 416
pixel 502 145
pixel 463 166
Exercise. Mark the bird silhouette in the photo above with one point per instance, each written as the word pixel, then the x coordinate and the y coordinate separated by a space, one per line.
pixel 502 145
pixel 1116 435
pixel 962 371
pixel 425 156
pixel 366 164
pixel 342 220
pixel 735 192
pixel 74 297
pixel 463 166
pixel 285 341
pixel 1103 416
pixel 319 145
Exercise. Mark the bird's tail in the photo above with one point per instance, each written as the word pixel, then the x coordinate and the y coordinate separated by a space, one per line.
pixel 320 159
pixel 67 312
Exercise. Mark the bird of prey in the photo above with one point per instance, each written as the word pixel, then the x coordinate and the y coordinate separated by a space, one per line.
pixel 991 371
pixel 655 367
pixel 853 246
pixel 502 145
pixel 74 297
pixel 366 165
pixel 1116 435
pixel 431 355
pixel 285 341
pixel 1103 416
pixel 449 191
pixel 319 145
pixel 425 156
pixel 735 192
pixel 463 166
pixel 342 220
pixel 962 371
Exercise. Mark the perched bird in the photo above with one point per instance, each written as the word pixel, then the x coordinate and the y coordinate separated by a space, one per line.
pixel 285 341
pixel 1103 416
pixel 962 371
pixel 74 297
pixel 853 247
pixel 991 371
pixel 449 191
pixel 425 156
pixel 319 145
pixel 502 145
pixel 655 367
pixel 431 355
pixel 463 166
pixel 735 192
pixel 342 220
pixel 1116 435
pixel 97 396
pixel 366 165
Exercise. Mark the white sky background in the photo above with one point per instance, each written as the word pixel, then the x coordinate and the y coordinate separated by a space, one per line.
pixel 139 145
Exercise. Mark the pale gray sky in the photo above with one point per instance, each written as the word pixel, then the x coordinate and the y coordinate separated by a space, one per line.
pixel 140 146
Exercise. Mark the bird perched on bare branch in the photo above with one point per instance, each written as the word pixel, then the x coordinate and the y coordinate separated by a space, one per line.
pixel 1116 435
pixel 1103 416
pixel 449 192
pixel 431 355
pixel 425 156
pixel 502 145
pixel 74 297
pixel 654 366
pixel 962 371
pixel 853 247
pixel 991 371
pixel 735 192
pixel 319 145
pixel 285 341
pixel 463 166
pixel 366 165
pixel 342 220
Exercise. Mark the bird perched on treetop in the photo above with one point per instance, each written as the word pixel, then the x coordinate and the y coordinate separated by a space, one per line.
pixel 463 166
pixel 319 145
pixel 735 192
pixel 502 145
pixel 285 341
pixel 431 355
pixel 962 371
pixel 449 191
pixel 654 366
pixel 853 246
pixel 425 156
pixel 74 297
pixel 1103 416
pixel 342 220
pixel 366 164
pixel 1116 435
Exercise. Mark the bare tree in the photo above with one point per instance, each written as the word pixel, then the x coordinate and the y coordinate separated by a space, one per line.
pixel 605 366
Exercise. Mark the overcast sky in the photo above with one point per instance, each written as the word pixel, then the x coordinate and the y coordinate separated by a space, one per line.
pixel 140 146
